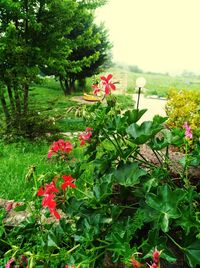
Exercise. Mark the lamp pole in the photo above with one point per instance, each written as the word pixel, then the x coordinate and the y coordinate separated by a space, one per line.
pixel 140 83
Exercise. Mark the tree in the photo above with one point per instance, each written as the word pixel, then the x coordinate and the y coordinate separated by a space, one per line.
pixel 105 58
pixel 89 47
pixel 30 33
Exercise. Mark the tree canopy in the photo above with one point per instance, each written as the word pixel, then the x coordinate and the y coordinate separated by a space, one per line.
pixel 35 34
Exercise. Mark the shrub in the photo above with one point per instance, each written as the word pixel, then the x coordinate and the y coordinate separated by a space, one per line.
pixel 183 106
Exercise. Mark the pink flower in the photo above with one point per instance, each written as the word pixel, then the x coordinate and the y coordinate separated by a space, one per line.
pixel 107 84
pixel 68 181
pixel 154 265
pixel 85 136
pixel 188 132
pixel 96 89
pixel 10 262
pixel 9 206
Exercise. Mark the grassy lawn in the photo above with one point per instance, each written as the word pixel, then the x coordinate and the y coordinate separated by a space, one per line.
pixel 157 84
pixel 18 157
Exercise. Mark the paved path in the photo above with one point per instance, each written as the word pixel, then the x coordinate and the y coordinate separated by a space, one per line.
pixel 154 106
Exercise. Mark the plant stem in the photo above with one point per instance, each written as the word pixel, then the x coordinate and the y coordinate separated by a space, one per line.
pixel 181 248
pixel 121 152
pixel 76 189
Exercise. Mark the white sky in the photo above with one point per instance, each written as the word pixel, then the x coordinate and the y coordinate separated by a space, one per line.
pixel 156 35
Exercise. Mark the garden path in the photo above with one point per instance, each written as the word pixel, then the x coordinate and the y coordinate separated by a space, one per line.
pixel 154 105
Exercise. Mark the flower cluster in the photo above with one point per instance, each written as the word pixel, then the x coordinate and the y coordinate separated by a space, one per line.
pixel 106 83
pixel 155 264
pixel 188 132
pixel 49 192
pixel 85 136
pixel 60 148
pixel 68 181
pixel 21 260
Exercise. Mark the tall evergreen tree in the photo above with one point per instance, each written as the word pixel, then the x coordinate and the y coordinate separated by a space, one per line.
pixel 89 48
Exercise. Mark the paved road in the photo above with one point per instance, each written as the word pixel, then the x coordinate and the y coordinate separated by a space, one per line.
pixel 154 106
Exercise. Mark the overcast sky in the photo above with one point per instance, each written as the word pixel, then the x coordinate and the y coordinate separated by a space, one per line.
pixel 156 35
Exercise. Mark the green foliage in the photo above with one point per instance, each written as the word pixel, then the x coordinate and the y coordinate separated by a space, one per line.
pixel 122 203
pixel 89 49
pixel 31 32
pixel 183 106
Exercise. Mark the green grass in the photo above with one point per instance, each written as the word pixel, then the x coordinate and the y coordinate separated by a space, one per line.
pixel 16 159
pixel 157 84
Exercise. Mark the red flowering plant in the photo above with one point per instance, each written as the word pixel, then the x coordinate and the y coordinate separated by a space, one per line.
pixel 105 85
pixel 49 192
pixel 121 202
pixel 85 136
pixel 60 149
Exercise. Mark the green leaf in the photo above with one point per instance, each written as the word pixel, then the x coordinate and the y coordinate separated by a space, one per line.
pixel 165 203
pixel 142 133
pixel 20 208
pixel 134 115
pixel 193 254
pixel 129 174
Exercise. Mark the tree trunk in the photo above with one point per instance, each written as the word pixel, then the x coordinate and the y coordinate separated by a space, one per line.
pixel 10 95
pixel 82 84
pixel 62 86
pixel 5 109
pixel 72 85
pixel 67 87
pixel 26 91
pixel 17 100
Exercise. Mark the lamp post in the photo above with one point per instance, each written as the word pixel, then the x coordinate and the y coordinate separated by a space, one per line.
pixel 140 83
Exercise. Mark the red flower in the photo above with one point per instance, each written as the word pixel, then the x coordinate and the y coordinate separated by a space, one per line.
pixel 56 214
pixel 107 84
pixel 60 146
pixel 40 191
pixel 48 201
pixel 68 181
pixel 96 89
pixel 156 255
pixel 85 136
pixel 51 188
pixel 135 263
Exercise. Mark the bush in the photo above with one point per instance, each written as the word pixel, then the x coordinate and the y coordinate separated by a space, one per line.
pixel 183 106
